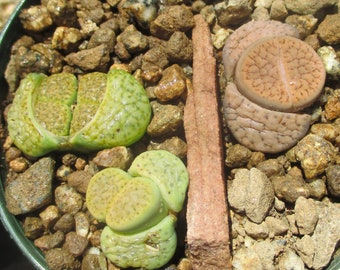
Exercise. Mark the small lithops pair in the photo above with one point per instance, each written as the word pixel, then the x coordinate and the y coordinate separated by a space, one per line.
pixel 139 208
pixel 59 112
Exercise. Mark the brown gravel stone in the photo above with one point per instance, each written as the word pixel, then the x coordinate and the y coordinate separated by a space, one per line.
pixel 49 216
pixel 75 244
pixel 32 189
pixel 328 29
pixel 50 241
pixel 33 227
pixel 65 223
pixel 68 199
pixel 172 84
pixel 58 259
pixel 166 121
pixel 119 157
pixel 173 18
pixel 333 179
pixel 237 156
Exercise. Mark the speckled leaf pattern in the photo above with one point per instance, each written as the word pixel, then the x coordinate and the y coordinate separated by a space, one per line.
pixel 103 187
pixel 149 249
pixel 111 110
pixel 168 171
pixel 121 118
pixel 23 127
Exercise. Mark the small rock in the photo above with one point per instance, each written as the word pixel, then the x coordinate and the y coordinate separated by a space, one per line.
pixel 49 241
pixel 308 6
pixel 327 29
pixel 172 84
pixel 19 164
pixel 260 14
pixel 184 264
pixel 325 243
pixel 49 216
pixel 79 180
pixel 104 36
pixel 167 119
pixel 290 260
pixel 133 40
pixel 251 192
pixel 68 199
pixel 93 261
pixel 12 153
pixel 232 12
pixel 95 238
pixel 179 48
pixel 333 180
pixel 66 38
pixel 143 11
pixel 82 224
pixel 278 10
pixel 63 172
pixel 245 259
pixel 237 155
pixel 36 18
pixel 289 188
pixel 277 226
pixel 317 189
pixel 96 58
pixel 219 37
pixel 173 18
pixel 326 131
pixel 59 258
pixel 305 248
pixel 279 205
pixel 69 159
pixel 255 159
pixel 268 251
pixel 332 107
pixel 292 224
pixel 33 227
pixel 331 62
pixel 118 157
pixel 305 24
pixel 153 63
pixel 75 244
pixel 32 189
pixel 314 154
pixel 306 215
pixel 263 3
pixel 271 167
pixel 65 223
pixel 174 145
pixel 256 231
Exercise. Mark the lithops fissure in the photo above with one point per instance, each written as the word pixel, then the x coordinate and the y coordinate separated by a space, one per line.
pixel 55 113
pixel 272 77
pixel 139 208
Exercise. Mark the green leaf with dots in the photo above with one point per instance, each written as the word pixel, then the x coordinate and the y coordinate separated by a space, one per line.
pixel 167 171
pixel 26 125
pixel 52 113
pixel 149 249
pixel 121 118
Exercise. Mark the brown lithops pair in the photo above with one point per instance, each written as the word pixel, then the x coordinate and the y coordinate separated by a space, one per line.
pixel 272 76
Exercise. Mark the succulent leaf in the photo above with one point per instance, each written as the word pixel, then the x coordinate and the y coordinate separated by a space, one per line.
pixel 167 171
pixel 137 207
pixel 23 127
pixel 103 187
pixel 121 118
pixel 149 249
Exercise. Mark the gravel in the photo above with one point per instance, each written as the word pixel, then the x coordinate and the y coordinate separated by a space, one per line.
pixel 284 207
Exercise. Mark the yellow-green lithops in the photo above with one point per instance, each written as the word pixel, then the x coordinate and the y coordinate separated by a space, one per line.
pixel 169 173
pixel 138 207
pixel 149 249
pixel 55 113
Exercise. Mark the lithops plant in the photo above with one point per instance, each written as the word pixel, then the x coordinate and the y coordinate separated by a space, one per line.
pixel 271 79
pixel 55 113
pixel 139 208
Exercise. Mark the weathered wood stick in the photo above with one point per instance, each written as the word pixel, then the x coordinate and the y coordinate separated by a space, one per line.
pixel 207 213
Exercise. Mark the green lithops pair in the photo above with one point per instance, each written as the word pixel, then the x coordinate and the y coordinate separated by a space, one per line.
pixel 139 208
pixel 95 112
